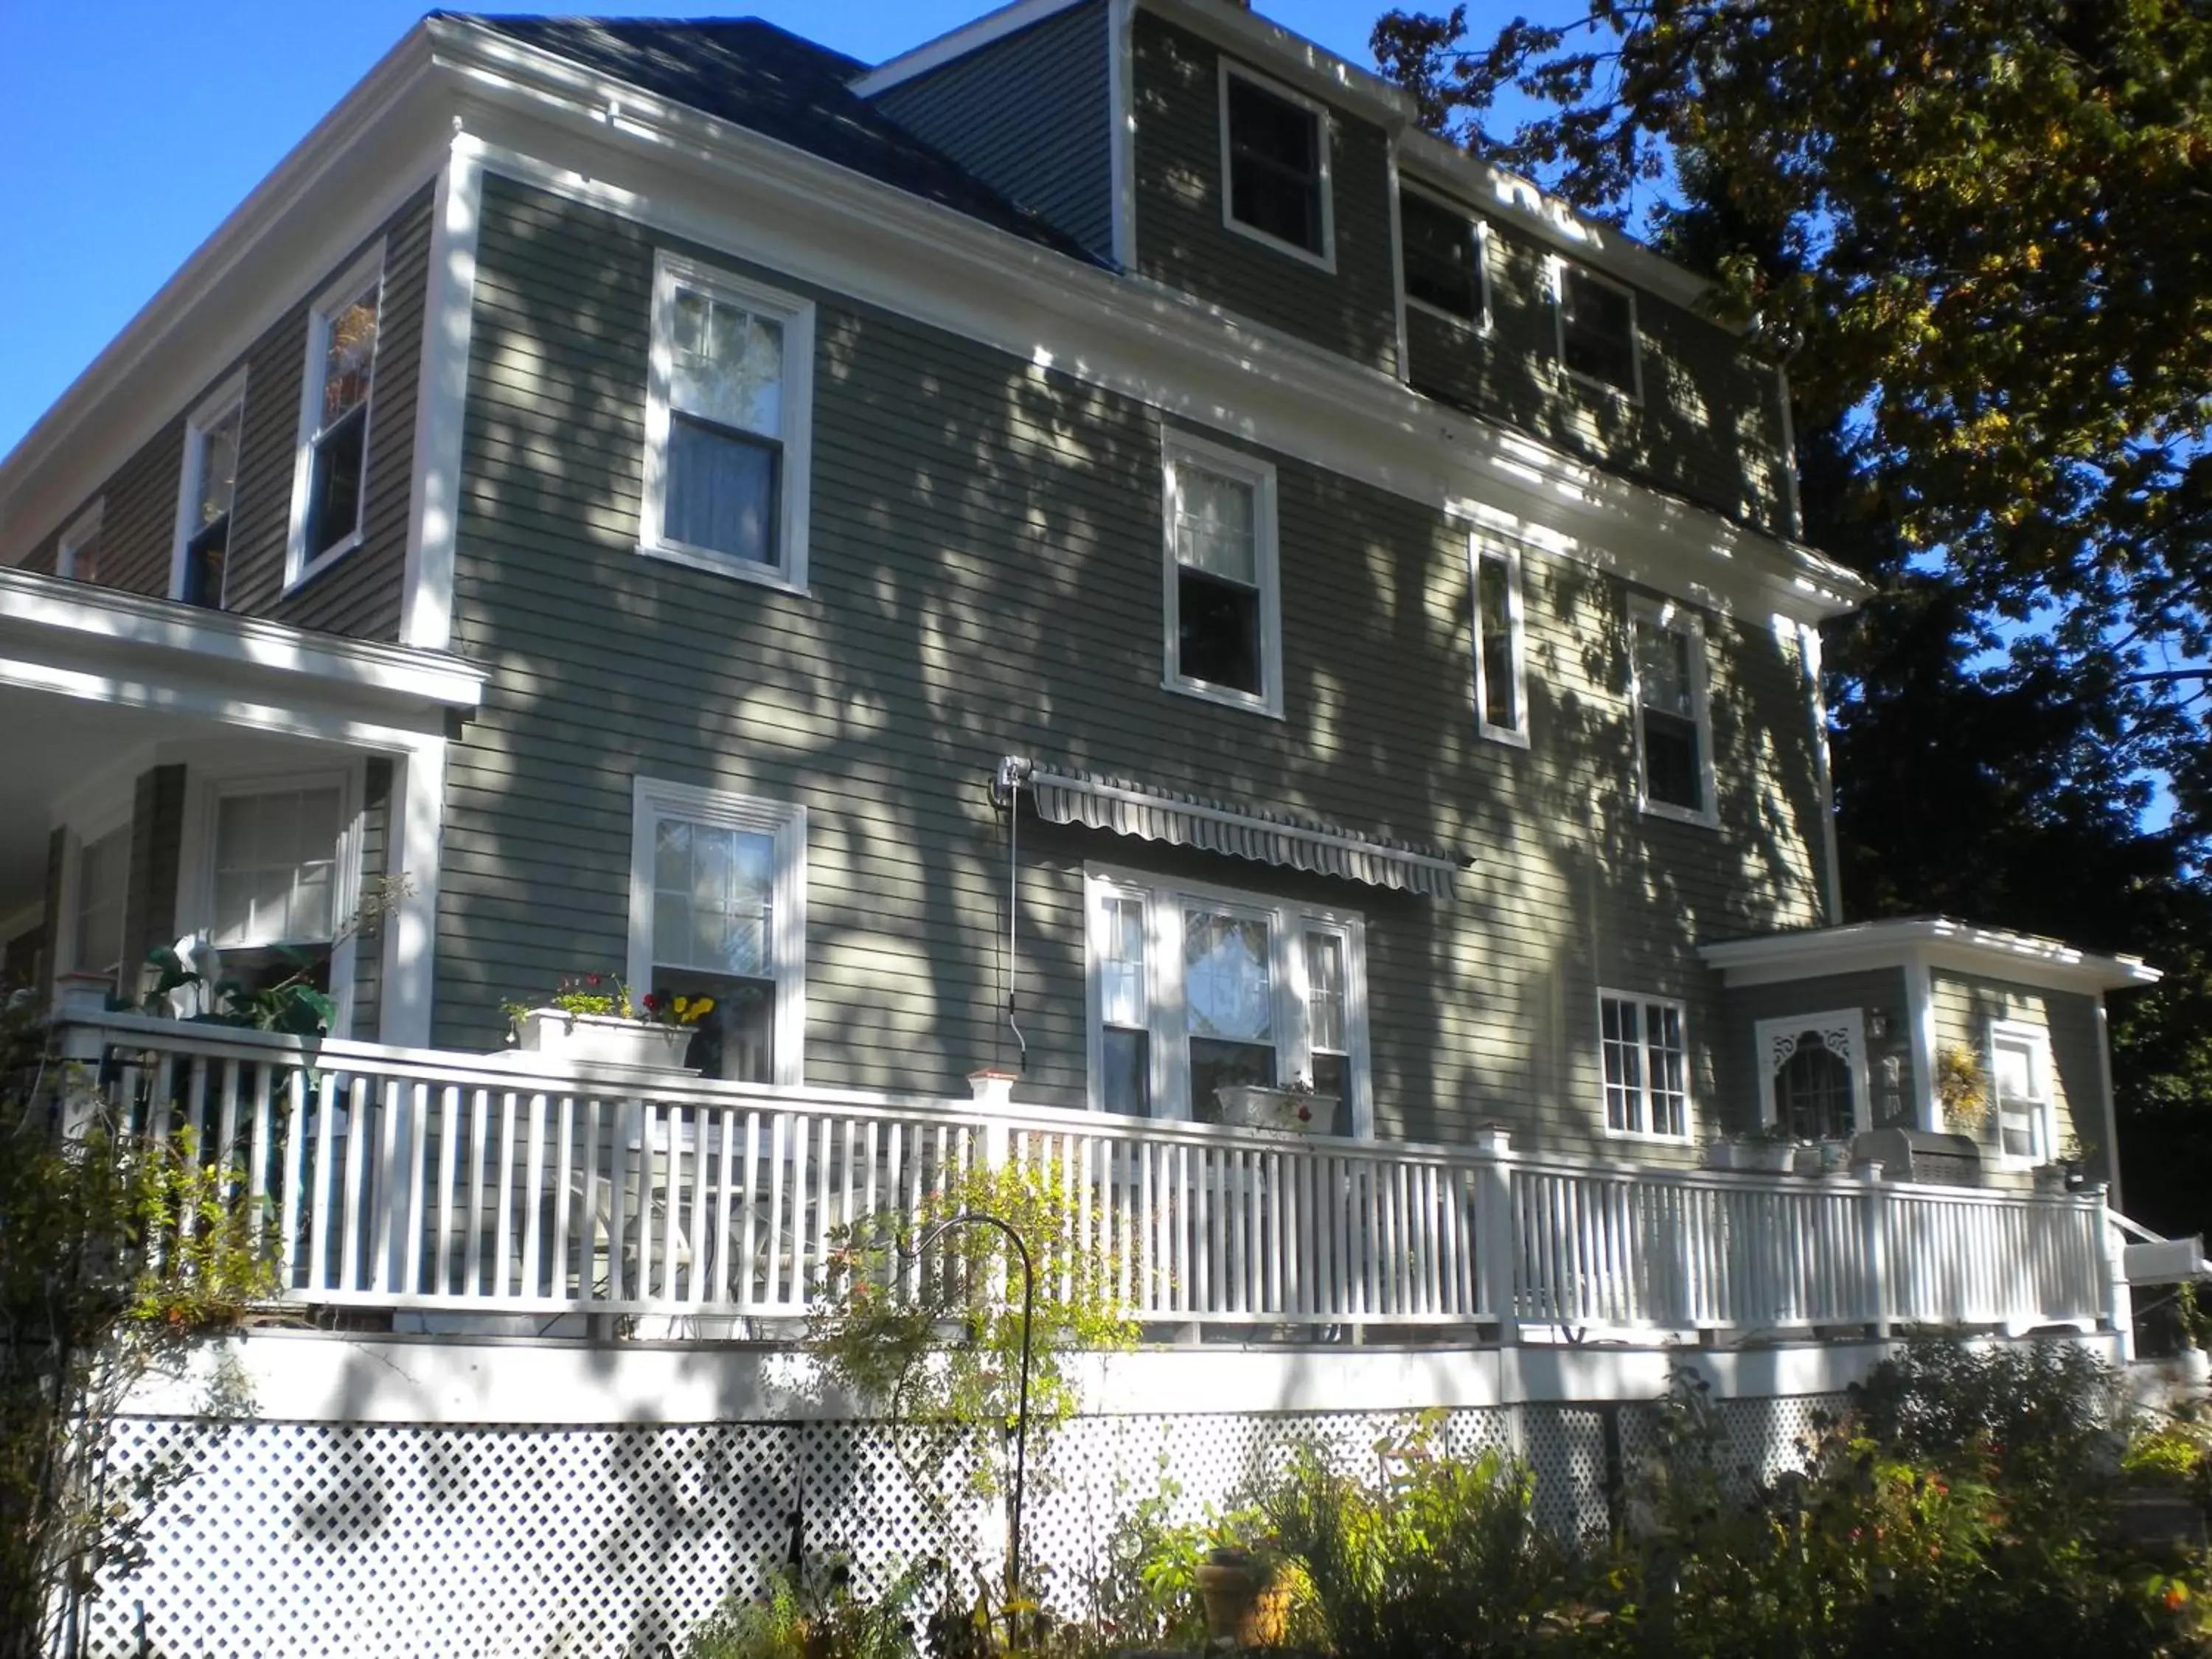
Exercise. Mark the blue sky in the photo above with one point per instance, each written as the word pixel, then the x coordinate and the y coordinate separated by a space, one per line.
pixel 132 128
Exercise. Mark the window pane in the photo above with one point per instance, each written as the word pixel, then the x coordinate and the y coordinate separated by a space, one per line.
pixel 1274 165
pixel 1217 633
pixel 334 493
pixel 1597 329
pixel 1121 990
pixel 1228 986
pixel 2016 1131
pixel 721 493
pixel 349 359
pixel 1440 251
pixel 2014 1072
pixel 83 560
pixel 1494 610
pixel 736 1042
pixel 1664 676
pixel 103 869
pixel 1621 1051
pixel 713 899
pixel 1668 1070
pixel 1325 991
pixel 276 867
pixel 1331 1076
pixel 218 480
pixel 1813 1092
pixel 1128 1084
pixel 1215 1065
pixel 1215 525
pixel 727 365
pixel 1672 775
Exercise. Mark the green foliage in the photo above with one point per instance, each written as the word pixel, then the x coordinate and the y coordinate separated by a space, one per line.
pixel 1433 1556
pixel 814 1615
pixel 294 1005
pixel 935 1345
pixel 116 1249
pixel 2178 1452
pixel 1147 1594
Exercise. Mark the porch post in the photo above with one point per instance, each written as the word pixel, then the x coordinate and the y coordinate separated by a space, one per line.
pixel 1493 1191
pixel 1874 1213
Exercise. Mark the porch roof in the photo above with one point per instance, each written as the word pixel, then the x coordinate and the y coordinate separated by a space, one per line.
pixel 1938 941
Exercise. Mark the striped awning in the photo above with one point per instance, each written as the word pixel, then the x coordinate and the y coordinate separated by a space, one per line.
pixel 1062 795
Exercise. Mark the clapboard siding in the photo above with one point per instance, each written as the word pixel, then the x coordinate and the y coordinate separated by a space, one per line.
pixel 1709 426
pixel 984 571
pixel 1744 1079
pixel 1182 241
pixel 361 594
pixel 1966 1004
pixel 1028 114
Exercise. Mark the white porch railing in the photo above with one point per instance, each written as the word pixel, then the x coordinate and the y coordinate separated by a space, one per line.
pixel 409 1178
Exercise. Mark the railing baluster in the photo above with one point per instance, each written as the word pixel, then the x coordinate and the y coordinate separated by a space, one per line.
pixel 533 1196
pixel 356 1181
pixel 479 1134
pixel 296 1134
pixel 564 1175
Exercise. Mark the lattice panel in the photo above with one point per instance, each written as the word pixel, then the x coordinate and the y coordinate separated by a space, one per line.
pixel 1565 1446
pixel 295 1538
pixel 1763 1438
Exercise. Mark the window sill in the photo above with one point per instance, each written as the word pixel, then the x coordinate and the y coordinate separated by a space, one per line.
pixel 1687 1142
pixel 1222 694
pixel 1325 260
pixel 323 561
pixel 1479 327
pixel 1660 809
pixel 1509 736
pixel 1575 380
pixel 721 564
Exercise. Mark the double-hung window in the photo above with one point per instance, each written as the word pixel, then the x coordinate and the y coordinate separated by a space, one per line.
pixel 77 557
pixel 103 865
pixel 330 484
pixel 718 909
pixel 2020 1091
pixel 1196 988
pixel 1643 1051
pixel 728 424
pixel 207 496
pixel 278 878
pixel 1501 695
pixel 1274 167
pixel 1597 319
pixel 1674 728
pixel 1443 254
pixel 1222 609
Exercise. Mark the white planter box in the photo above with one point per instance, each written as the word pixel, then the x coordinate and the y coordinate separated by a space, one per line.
pixel 1759 1157
pixel 1249 1106
pixel 601 1039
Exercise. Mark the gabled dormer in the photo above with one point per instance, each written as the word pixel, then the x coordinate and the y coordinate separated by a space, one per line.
pixel 1196 146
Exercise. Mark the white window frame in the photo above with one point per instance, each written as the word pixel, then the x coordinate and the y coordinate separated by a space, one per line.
pixel 206 790
pixel 1633 393
pixel 1481 327
pixel 1847 1023
pixel 1180 448
pixel 1289 921
pixel 2036 1041
pixel 654 798
pixel 86 525
pixel 796 399
pixel 1324 134
pixel 1480 548
pixel 213 409
pixel 1673 616
pixel 1646 1001
pixel 79 836
pixel 365 273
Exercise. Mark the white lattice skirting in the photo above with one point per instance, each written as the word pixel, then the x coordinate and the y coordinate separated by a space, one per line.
pixel 283 1539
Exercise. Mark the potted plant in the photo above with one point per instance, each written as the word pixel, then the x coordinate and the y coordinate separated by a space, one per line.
pixel 1292 1108
pixel 593 1018
pixel 1766 1149
pixel 1246 1596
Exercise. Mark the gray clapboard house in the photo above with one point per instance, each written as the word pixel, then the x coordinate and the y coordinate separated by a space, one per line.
pixel 1093 551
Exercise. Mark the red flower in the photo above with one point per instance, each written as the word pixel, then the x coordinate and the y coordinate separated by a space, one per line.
pixel 1305 1114
pixel 591 979
pixel 652 1000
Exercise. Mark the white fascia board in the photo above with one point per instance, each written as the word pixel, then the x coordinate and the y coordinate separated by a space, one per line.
pixel 1312 69
pixel 1926 942
pixel 381 144
pixel 956 44
pixel 107 646
pixel 548 122
pixel 1510 199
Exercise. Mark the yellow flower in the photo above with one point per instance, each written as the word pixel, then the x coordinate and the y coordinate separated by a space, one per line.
pixel 700 1007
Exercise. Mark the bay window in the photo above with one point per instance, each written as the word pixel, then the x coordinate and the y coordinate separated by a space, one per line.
pixel 1196 988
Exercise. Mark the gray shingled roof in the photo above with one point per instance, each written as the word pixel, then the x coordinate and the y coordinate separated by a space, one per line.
pixel 754 74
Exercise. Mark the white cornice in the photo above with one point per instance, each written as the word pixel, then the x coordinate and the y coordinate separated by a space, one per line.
pixel 1927 942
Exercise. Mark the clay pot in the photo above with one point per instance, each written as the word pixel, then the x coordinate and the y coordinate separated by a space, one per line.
pixel 1242 1606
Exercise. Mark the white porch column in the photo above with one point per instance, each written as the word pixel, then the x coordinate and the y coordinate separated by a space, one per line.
pixel 411 931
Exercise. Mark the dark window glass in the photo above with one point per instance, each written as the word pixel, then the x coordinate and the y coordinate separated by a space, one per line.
pixel 736 1040
pixel 335 490
pixel 1128 1070
pixel 1215 1065
pixel 1218 636
pixel 1274 165
pixel 1813 1092
pixel 1440 251
pixel 1494 601
pixel 1666 692
pixel 1671 772
pixel 1597 329
pixel 203 556
pixel 722 488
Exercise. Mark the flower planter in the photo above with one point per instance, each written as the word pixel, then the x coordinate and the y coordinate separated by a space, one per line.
pixel 1757 1156
pixel 602 1039
pixel 1251 1106
pixel 1242 1608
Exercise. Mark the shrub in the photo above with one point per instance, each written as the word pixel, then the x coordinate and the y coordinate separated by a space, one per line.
pixel 814 1615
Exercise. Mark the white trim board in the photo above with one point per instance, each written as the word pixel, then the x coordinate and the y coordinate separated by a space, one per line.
pixel 1924 942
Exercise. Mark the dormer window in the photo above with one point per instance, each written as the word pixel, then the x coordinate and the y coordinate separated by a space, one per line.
pixel 1444 257
pixel 1274 165
pixel 1597 329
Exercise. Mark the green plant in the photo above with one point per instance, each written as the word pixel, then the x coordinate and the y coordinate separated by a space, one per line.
pixel 2196 1324
pixel 118 1247
pixel 294 1005
pixel 815 1614
pixel 1145 1594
